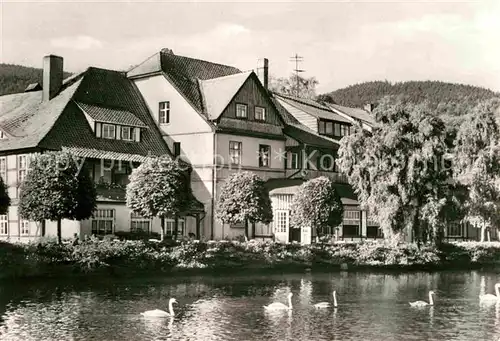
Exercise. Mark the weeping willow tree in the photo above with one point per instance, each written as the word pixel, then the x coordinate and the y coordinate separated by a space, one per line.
pixel 401 171
pixel 477 165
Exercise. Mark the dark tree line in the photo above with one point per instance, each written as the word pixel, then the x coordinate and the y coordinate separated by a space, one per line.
pixel 434 92
pixel 15 78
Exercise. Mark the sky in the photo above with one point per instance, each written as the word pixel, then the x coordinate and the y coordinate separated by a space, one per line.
pixel 341 42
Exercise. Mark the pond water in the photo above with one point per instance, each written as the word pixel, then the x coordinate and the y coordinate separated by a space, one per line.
pixel 371 307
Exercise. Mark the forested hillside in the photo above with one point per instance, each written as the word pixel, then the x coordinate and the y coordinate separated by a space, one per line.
pixel 435 92
pixel 15 78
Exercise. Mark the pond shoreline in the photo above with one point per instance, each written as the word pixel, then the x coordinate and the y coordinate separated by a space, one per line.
pixel 125 259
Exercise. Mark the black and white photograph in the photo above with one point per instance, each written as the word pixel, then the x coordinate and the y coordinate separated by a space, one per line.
pixel 249 170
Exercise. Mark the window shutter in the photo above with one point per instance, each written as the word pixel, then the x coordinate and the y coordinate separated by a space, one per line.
pixel 98 129
pixel 137 134
pixel 118 132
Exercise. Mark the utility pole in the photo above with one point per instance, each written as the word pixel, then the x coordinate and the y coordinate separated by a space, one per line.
pixel 297 59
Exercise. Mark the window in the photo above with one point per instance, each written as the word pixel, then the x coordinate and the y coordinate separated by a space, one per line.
pixel 321 127
pixel 325 162
pixel 21 168
pixel 260 114
pixel 351 217
pixel 241 111
pixel 24 227
pixel 4 225
pixel 103 222
pixel 454 229
pixel 108 131
pixel 281 222
pixel 344 130
pixel 128 133
pixel 2 135
pixel 164 113
pixel 294 160
pixel 139 223
pixel 235 152
pixel 170 227
pixel 264 155
pixel 329 128
pixel 337 129
pixel 3 168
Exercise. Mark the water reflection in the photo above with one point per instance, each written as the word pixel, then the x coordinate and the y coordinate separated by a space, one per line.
pixel 371 307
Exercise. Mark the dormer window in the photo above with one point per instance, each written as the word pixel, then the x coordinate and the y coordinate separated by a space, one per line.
pixel 109 131
pixel 241 111
pixel 164 113
pixel 128 133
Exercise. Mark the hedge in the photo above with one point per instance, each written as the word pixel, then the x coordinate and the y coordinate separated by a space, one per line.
pixel 130 257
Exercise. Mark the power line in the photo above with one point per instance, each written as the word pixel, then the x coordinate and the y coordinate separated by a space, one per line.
pixel 297 59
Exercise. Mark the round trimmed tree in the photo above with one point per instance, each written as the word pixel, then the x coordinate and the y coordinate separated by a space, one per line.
pixel 57 188
pixel 159 187
pixel 317 205
pixel 4 198
pixel 244 199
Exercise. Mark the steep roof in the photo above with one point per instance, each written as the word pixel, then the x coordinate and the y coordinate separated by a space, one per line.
pixel 60 123
pixel 28 120
pixel 110 115
pixel 312 108
pixel 355 113
pixel 184 73
pixel 218 92
pixel 300 132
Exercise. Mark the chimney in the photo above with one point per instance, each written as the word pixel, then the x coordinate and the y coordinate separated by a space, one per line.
pixel 177 149
pixel 52 76
pixel 263 72
pixel 167 51
pixel 369 107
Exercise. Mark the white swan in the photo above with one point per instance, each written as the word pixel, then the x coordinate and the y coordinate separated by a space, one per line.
pixel 327 304
pixel 490 297
pixel 423 303
pixel 161 313
pixel 280 306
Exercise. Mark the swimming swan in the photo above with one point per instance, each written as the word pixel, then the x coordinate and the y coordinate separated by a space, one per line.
pixel 423 303
pixel 327 304
pixel 490 297
pixel 280 306
pixel 161 313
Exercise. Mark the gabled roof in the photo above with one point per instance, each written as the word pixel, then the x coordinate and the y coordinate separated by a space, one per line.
pixel 60 123
pixel 183 72
pixel 218 92
pixel 27 119
pixel 355 113
pixel 109 115
pixel 300 132
pixel 312 108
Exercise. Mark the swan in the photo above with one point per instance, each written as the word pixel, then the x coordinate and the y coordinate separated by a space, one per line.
pixel 280 306
pixel 490 297
pixel 161 313
pixel 423 303
pixel 327 304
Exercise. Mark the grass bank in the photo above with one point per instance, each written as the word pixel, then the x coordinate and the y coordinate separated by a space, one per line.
pixel 131 258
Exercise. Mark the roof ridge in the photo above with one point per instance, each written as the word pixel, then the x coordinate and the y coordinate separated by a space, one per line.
pixel 199 60
pixel 248 73
pixel 315 103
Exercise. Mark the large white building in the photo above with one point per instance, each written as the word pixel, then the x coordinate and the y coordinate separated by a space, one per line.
pixel 215 117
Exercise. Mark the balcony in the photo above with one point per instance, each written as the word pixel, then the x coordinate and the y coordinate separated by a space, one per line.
pixel 111 192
